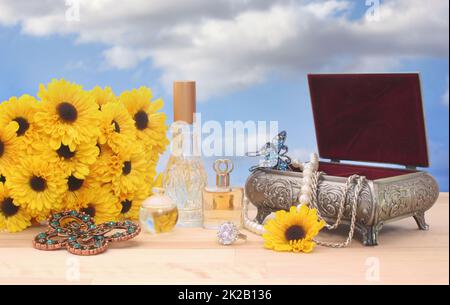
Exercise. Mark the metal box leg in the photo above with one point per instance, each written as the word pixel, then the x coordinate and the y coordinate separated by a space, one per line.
pixel 419 217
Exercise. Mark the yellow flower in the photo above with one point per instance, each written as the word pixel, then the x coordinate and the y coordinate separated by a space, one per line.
pixel 133 170
pixel 13 217
pixel 116 126
pixel 68 114
pixel 21 110
pixel 75 188
pixel 130 205
pixel 293 231
pixel 150 124
pixel 100 203
pixel 8 147
pixel 103 96
pixel 37 184
pixel 107 166
pixel 74 162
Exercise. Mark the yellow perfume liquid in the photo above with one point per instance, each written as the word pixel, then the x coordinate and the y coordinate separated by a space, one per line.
pixel 221 206
pixel 158 213
pixel 222 203
pixel 162 220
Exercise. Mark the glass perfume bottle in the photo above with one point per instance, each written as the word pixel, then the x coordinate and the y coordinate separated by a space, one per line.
pixel 222 203
pixel 158 213
pixel 184 176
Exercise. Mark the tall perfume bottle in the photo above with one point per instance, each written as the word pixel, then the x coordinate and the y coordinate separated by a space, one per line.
pixel 222 203
pixel 184 176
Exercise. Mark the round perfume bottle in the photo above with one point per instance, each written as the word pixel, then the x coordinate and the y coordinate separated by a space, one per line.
pixel 158 213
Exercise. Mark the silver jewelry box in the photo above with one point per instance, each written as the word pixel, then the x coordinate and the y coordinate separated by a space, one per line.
pixel 367 118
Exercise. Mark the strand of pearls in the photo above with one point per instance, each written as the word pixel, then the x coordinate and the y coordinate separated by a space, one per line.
pixel 249 224
pixel 308 170
pixel 305 195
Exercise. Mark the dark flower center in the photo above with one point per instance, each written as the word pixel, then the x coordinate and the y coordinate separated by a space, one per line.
pixel 294 233
pixel 8 207
pixel 126 206
pixel 23 125
pixel 74 183
pixel 2 179
pixel 65 152
pixel 67 112
pixel 90 210
pixel 2 148
pixel 116 126
pixel 141 119
pixel 126 169
pixel 99 149
pixel 38 184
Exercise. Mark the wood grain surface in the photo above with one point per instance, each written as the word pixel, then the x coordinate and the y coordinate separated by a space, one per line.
pixel 192 256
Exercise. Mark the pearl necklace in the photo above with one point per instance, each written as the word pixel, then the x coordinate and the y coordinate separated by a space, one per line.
pixel 308 169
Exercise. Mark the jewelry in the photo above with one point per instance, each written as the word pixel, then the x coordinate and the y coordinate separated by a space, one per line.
pixel 228 234
pixel 308 168
pixel 274 154
pixel 313 203
pixel 77 232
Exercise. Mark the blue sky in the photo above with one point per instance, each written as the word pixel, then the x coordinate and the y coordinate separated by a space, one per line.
pixel 250 59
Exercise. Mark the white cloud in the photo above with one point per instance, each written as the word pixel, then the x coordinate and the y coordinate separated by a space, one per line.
pixel 227 45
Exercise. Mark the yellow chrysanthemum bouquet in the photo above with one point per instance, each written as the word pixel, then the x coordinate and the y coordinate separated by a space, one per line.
pixel 80 150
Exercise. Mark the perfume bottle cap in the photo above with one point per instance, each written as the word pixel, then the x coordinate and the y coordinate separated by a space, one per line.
pixel 223 168
pixel 158 199
pixel 184 97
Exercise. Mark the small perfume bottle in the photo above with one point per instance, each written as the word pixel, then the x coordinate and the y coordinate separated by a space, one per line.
pixel 222 203
pixel 158 213
pixel 184 176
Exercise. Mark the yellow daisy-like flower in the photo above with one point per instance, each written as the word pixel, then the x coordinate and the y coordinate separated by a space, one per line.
pixel 150 124
pixel 21 110
pixel 8 147
pixel 75 188
pixel 68 114
pixel 293 231
pixel 37 184
pixel 103 96
pixel 131 176
pixel 13 217
pixel 116 126
pixel 72 162
pixel 107 166
pixel 99 203
pixel 130 204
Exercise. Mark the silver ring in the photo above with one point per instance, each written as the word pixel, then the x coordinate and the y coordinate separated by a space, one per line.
pixel 228 234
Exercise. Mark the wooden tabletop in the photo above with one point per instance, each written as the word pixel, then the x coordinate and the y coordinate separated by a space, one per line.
pixel 192 256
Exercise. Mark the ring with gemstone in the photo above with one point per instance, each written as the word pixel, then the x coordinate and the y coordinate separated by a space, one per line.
pixel 228 234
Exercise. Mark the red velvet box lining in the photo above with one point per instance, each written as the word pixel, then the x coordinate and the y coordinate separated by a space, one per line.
pixel 372 173
pixel 369 118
